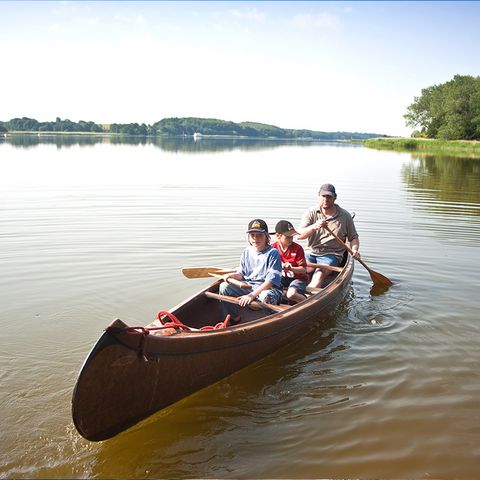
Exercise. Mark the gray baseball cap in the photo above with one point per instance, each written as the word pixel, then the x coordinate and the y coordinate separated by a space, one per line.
pixel 327 189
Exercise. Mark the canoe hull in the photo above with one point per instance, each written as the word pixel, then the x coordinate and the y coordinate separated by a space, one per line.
pixel 117 388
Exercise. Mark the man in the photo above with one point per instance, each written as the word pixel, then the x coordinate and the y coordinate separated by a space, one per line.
pixel 294 264
pixel 260 267
pixel 323 248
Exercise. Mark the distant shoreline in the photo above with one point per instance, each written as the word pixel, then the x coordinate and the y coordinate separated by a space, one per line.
pixel 190 137
pixel 177 127
pixel 467 148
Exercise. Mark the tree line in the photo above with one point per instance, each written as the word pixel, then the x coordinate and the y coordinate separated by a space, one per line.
pixel 185 126
pixel 212 126
pixel 449 111
pixel 31 125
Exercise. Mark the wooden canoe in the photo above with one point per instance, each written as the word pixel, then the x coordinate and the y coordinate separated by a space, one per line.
pixel 129 376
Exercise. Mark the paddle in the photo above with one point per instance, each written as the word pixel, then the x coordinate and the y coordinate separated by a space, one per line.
pixel 233 281
pixel 204 272
pixel 226 298
pixel 377 278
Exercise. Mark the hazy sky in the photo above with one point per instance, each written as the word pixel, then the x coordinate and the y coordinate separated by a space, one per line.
pixel 329 66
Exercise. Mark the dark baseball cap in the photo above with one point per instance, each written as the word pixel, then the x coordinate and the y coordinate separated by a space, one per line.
pixel 258 226
pixel 327 189
pixel 284 227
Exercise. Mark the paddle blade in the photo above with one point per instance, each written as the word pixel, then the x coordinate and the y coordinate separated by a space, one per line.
pixel 379 279
pixel 204 272
pixel 378 290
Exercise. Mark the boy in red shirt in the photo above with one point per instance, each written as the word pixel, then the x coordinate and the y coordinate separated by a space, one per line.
pixel 294 265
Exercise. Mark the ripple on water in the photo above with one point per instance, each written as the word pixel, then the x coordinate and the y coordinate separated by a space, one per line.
pixel 371 313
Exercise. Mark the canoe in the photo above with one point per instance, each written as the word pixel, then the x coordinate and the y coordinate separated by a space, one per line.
pixel 133 372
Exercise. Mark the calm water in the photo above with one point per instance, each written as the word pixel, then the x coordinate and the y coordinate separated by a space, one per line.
pixel 91 230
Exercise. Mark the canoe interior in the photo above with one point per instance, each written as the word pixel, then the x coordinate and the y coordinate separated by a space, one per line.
pixel 202 311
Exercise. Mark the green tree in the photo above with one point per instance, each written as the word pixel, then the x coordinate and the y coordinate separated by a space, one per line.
pixel 449 111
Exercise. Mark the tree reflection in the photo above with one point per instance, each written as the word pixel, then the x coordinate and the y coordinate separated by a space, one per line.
pixel 61 141
pixel 171 144
pixel 445 180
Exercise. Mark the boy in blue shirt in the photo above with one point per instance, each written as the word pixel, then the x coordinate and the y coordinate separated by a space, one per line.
pixel 260 267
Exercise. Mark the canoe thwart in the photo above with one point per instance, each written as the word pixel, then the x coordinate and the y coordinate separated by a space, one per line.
pixel 226 298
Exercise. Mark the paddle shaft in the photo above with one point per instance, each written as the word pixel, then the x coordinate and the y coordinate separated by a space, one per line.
pixel 233 281
pixel 377 278
pixel 226 298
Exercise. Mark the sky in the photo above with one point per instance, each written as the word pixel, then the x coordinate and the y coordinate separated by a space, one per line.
pixel 328 66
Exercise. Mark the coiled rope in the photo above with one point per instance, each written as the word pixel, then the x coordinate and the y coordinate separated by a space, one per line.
pixel 173 322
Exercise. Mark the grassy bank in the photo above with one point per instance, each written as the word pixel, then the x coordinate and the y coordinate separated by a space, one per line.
pixel 438 147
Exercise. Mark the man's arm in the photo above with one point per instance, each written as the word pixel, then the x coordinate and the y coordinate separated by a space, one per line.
pixel 307 231
pixel 307 226
pixel 355 246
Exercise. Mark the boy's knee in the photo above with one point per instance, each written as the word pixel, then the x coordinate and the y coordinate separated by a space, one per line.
pixel 223 288
pixel 269 297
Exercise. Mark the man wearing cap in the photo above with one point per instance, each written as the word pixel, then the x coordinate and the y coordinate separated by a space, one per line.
pixel 322 247
pixel 260 267
pixel 294 265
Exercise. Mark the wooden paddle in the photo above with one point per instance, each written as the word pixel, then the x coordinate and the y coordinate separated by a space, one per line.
pixel 377 278
pixel 204 272
pixel 226 298
pixel 233 281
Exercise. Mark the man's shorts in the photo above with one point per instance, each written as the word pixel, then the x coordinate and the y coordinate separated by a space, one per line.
pixel 323 259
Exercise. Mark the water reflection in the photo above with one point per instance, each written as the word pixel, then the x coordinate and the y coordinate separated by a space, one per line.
pixel 171 144
pixel 444 193
pixel 196 436
pixel 444 184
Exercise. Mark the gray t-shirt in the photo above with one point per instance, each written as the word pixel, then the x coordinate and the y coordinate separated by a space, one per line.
pixel 322 242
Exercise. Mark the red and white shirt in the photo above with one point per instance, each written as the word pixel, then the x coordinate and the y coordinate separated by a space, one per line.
pixel 295 255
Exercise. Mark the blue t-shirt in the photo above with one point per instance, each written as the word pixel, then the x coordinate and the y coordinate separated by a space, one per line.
pixel 260 266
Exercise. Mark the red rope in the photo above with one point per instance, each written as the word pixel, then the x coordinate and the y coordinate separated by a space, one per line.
pixel 173 323
pixel 145 331
pixel 172 317
pixel 219 325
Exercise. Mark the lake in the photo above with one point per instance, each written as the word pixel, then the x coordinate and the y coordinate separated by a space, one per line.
pixel 93 228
